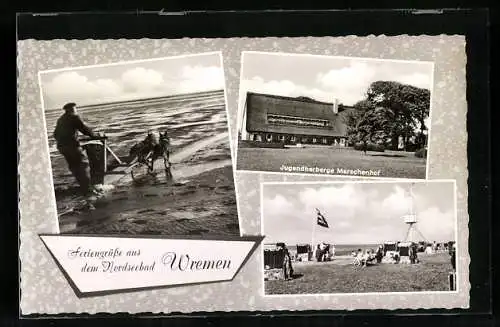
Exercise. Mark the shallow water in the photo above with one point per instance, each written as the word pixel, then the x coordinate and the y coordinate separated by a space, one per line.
pixel 201 200
pixel 188 118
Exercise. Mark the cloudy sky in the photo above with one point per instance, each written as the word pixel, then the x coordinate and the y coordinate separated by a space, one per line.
pixel 132 80
pixel 357 213
pixel 324 78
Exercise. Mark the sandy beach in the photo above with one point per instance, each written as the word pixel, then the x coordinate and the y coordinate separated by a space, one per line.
pixel 341 276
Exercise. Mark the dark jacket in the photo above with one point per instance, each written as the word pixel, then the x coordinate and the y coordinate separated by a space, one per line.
pixel 67 128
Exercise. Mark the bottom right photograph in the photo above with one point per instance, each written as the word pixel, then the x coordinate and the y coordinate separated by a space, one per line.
pixel 359 237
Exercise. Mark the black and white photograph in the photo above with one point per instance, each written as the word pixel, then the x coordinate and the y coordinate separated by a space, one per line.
pixel 141 147
pixel 312 114
pixel 359 237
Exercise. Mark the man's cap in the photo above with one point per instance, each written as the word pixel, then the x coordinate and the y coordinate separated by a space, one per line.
pixel 69 106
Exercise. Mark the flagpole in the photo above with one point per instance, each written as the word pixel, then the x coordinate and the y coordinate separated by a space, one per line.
pixel 411 200
pixel 315 222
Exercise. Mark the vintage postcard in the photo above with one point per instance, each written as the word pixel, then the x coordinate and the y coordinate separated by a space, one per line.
pixel 151 174
pixel 141 147
pixel 359 237
pixel 334 115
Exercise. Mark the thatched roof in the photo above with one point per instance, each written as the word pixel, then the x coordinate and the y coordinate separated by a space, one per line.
pixel 261 105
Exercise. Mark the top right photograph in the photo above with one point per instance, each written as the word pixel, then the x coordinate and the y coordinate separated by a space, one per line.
pixel 324 115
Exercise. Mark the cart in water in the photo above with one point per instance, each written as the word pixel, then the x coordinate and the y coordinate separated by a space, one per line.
pixel 146 166
pixel 107 168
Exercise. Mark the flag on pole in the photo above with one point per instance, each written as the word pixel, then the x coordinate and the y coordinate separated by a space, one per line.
pixel 321 219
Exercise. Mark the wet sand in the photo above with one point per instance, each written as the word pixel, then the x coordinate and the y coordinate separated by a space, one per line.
pixel 204 205
pixel 199 201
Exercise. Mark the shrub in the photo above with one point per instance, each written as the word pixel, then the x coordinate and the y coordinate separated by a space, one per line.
pixel 421 153
pixel 370 147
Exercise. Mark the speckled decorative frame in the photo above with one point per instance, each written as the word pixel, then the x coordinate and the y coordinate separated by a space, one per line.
pixel 44 290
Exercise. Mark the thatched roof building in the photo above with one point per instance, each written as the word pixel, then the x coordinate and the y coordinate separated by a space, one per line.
pixel 273 118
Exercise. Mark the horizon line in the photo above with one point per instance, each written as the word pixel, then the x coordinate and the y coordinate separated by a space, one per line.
pixel 138 99
pixel 369 243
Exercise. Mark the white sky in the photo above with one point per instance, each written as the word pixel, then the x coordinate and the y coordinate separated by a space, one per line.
pixel 324 78
pixel 132 80
pixel 357 213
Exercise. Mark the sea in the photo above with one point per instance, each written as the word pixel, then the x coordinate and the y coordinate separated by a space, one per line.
pixel 340 249
pixel 187 118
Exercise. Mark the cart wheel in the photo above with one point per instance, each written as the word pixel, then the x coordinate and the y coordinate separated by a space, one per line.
pixel 139 171
pixel 167 165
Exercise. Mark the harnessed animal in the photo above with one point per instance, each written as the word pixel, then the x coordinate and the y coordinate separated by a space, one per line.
pixel 152 148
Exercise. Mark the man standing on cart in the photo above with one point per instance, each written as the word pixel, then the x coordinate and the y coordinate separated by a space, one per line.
pixel 66 135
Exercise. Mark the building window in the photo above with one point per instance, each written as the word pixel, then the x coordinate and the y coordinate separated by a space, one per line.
pixel 314 140
pixel 304 140
pixel 292 139
pixel 297 121
pixel 324 140
pixel 282 138
pixel 269 137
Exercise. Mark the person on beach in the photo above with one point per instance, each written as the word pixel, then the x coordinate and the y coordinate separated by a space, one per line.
pixel 368 258
pixel 287 262
pixel 453 252
pixel 414 254
pixel 380 254
pixel 365 257
pixel 359 258
pixel 66 135
pixel 325 250
pixel 319 253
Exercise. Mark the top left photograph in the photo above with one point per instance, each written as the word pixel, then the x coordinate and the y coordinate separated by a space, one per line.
pixel 141 147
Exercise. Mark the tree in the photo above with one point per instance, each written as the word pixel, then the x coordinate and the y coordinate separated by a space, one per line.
pixel 410 106
pixel 390 110
pixel 374 125
pixel 368 123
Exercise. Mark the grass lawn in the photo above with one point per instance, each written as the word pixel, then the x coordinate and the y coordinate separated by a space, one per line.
pixel 431 274
pixel 390 163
